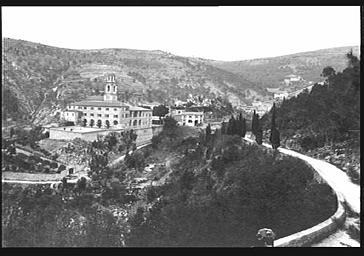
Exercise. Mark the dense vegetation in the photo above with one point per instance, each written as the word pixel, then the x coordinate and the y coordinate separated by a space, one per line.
pixel 329 115
pixel 222 191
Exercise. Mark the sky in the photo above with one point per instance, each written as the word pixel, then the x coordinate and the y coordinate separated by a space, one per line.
pixel 219 33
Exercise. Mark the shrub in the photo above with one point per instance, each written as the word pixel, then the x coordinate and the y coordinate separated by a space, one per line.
pixel 46 162
pixel 53 165
pixel 61 168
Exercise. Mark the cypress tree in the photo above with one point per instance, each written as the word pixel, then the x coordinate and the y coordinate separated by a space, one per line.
pixel 230 126
pixel 208 132
pixel 239 125
pixel 243 127
pixel 258 131
pixel 274 137
pixel 254 123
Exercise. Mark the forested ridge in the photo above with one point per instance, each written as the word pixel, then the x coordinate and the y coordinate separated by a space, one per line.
pixel 327 119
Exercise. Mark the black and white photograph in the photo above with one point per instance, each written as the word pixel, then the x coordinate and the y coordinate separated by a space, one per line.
pixel 181 126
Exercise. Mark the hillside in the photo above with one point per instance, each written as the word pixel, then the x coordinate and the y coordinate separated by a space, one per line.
pixel 271 72
pixel 326 121
pixel 40 79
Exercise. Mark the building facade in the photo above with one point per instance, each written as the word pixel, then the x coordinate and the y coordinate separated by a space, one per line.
pixel 187 118
pixel 108 112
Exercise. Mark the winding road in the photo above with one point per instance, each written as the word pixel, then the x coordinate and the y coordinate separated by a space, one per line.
pixel 341 183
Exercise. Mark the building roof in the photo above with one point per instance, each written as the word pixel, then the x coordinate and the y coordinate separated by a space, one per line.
pixel 99 103
pixel 73 110
pixel 188 113
pixel 95 98
pixel 134 108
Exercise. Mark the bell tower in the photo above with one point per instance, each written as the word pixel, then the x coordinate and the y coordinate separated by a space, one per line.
pixel 111 89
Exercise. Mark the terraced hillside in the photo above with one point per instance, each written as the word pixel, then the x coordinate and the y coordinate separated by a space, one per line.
pixel 39 80
pixel 271 72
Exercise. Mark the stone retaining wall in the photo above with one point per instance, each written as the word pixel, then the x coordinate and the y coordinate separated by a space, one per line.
pixel 318 232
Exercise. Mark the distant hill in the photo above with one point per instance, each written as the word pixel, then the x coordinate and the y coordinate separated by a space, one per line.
pixel 271 72
pixel 40 79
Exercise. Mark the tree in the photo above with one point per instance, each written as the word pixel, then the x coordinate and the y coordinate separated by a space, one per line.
pixel 99 123
pixel 274 133
pixel 231 129
pixel 12 132
pixel 258 130
pixel 107 124
pixel 243 127
pixel 208 132
pixel 328 72
pixel 254 123
pixel 169 127
pixel 160 111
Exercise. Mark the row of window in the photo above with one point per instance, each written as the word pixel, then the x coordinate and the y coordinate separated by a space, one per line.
pixel 92 108
pixel 115 122
pixel 191 117
pixel 107 122
pixel 99 115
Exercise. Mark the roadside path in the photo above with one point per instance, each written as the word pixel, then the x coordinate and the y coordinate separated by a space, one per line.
pixel 342 184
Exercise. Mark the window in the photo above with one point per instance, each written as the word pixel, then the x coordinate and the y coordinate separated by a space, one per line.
pixel 114 88
pixel 91 114
pixel 135 123
pixel 190 116
pixel 99 108
pixel 130 123
pixel 79 107
pixel 106 115
pixel 140 122
pixel 126 115
pixel 85 114
pixel 108 88
pixel 73 114
pixel 99 115
pixel 116 116
pixel 107 109
pixel 115 122
pixel 84 107
pixel 115 109
pixel 190 121
pixel 92 108
pixel 67 114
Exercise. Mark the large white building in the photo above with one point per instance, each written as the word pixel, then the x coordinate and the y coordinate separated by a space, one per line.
pixel 188 118
pixel 108 111
pixel 100 115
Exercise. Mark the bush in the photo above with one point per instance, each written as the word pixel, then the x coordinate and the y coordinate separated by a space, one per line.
pixel 53 165
pixel 61 168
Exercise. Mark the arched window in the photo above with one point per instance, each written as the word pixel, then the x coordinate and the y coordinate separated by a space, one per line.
pixel 115 122
pixel 114 88
pixel 108 88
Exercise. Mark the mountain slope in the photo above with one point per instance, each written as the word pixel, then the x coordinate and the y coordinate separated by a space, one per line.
pixel 271 72
pixel 39 77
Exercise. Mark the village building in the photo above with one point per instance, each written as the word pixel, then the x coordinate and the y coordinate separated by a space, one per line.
pixel 188 118
pixel 99 115
pixel 108 111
